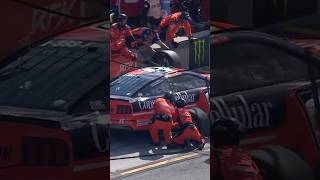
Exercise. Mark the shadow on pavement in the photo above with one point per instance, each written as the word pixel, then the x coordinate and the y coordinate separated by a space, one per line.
pixel 127 144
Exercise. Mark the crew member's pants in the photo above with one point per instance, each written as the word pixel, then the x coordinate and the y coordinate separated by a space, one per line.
pixel 161 127
pixel 170 36
pixel 171 33
pixel 189 134
pixel 123 50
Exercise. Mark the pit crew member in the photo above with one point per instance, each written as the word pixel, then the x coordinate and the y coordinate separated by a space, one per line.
pixel 162 120
pixel 230 161
pixel 188 132
pixel 146 36
pixel 171 24
pixel 120 32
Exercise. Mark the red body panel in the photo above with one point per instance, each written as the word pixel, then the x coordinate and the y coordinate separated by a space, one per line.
pixel 12 166
pixel 22 25
pixel 295 130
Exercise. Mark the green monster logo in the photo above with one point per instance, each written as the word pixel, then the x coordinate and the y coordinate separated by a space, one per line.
pixel 199 51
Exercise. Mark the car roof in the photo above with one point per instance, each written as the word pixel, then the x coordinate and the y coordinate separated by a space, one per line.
pixel 128 84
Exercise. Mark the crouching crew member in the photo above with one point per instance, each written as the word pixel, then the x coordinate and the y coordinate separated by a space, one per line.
pixel 230 162
pixel 162 120
pixel 146 36
pixel 188 132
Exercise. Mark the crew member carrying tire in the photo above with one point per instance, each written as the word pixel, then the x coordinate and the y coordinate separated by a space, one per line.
pixel 229 161
pixel 188 134
pixel 170 25
pixel 162 120
pixel 119 33
pixel 146 36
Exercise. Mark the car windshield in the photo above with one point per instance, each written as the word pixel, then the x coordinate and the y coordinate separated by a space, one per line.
pixel 54 75
pixel 128 85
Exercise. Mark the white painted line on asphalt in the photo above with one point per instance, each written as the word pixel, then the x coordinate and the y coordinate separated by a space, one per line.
pixel 161 163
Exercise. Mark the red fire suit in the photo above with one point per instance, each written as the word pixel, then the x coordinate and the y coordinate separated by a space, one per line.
pixel 235 164
pixel 162 107
pixel 173 24
pixel 189 130
pixel 143 38
pixel 118 40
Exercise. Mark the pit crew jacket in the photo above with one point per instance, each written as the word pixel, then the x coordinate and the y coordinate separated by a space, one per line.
pixel 173 20
pixel 234 164
pixel 118 36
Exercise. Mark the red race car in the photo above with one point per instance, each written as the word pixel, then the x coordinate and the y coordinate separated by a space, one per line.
pixel 53 110
pixel 271 86
pixel 132 95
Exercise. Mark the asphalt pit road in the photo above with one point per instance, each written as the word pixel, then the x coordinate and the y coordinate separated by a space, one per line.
pixel 130 149
pixel 125 144
pixel 207 161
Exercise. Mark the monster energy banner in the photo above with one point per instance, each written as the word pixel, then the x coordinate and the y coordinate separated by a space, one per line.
pixel 199 52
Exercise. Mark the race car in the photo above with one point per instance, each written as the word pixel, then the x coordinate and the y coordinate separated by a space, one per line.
pixel 132 95
pixel 53 110
pixel 271 86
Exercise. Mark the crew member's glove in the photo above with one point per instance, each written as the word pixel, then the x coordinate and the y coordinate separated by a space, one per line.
pixel 120 44
pixel 153 119
pixel 191 38
pixel 133 44
pixel 166 117
pixel 175 44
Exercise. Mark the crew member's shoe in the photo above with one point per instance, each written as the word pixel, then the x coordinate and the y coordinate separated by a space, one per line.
pixel 171 146
pixel 200 145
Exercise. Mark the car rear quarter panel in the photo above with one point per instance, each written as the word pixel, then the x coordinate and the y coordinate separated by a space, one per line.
pixel 129 120
pixel 271 115
pixel 11 166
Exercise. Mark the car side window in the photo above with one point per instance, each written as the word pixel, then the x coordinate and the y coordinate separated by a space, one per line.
pixel 246 65
pixel 156 88
pixel 187 81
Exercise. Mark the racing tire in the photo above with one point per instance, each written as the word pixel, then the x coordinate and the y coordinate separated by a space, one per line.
pixel 276 162
pixel 165 58
pixel 201 120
